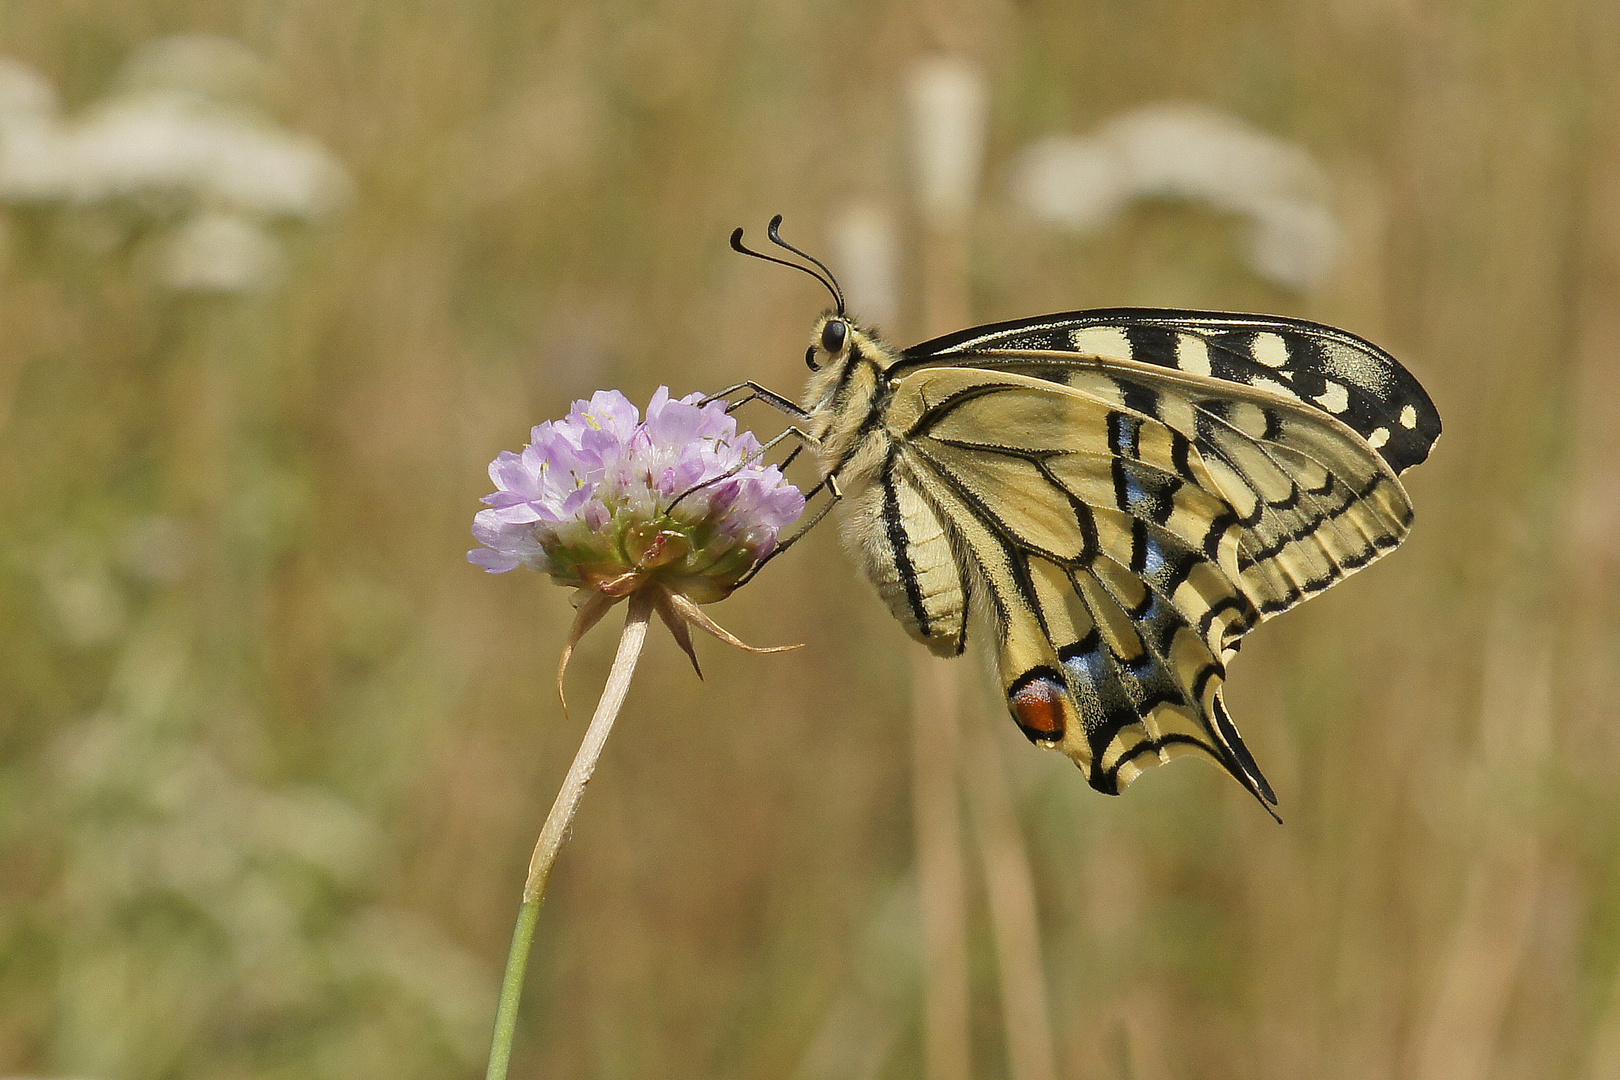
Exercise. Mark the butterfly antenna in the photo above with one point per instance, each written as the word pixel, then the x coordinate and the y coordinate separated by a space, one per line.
pixel 830 285
pixel 773 231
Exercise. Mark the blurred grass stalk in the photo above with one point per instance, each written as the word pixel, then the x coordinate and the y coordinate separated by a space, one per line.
pixel 946 99
pixel 941 877
pixel 559 823
pixel 949 106
pixel 1494 928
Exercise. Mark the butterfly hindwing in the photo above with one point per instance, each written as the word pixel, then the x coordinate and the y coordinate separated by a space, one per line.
pixel 1107 563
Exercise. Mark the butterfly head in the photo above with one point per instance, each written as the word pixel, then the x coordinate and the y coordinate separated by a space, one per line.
pixel 832 337
pixel 836 342
pixel 834 334
pixel 847 365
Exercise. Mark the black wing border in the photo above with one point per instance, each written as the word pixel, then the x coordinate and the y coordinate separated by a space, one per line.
pixel 962 346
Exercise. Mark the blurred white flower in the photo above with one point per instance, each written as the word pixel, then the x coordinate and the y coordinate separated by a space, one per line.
pixel 219 252
pixel 191 150
pixel 207 65
pixel 29 116
pixel 1079 184
pixel 181 136
pixel 1294 242
pixel 1195 153
pixel 1192 151
pixel 24 94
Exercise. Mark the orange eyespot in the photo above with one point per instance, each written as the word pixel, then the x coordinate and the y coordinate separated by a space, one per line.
pixel 1038 708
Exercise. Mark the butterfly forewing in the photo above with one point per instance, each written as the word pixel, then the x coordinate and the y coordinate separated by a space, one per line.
pixel 1328 369
pixel 1316 499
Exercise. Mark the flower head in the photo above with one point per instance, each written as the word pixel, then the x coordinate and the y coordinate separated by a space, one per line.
pixel 608 501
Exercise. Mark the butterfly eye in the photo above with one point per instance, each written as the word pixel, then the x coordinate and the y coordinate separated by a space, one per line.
pixel 832 336
pixel 810 359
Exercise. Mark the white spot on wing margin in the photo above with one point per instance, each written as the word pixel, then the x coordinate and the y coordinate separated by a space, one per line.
pixel 1101 341
pixel 1192 354
pixel 1335 399
pixel 1270 349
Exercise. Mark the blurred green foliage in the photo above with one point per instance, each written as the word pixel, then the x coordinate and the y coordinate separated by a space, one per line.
pixel 272 754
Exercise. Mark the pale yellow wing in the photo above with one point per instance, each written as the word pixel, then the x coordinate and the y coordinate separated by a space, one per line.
pixel 1119 554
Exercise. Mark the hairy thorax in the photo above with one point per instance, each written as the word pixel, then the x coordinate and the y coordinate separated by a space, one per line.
pixel 887 522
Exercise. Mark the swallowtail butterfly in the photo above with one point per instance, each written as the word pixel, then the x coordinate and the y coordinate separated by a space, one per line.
pixel 1112 499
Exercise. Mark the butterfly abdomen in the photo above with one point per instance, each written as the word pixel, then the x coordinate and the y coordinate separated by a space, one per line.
pixel 891 528
pixel 905 549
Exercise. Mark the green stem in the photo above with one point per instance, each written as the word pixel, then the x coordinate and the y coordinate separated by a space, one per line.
pixel 557 826
pixel 517 962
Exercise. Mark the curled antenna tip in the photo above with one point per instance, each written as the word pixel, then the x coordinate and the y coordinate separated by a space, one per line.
pixel 825 277
pixel 829 280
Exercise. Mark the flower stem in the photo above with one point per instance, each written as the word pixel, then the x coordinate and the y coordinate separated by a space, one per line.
pixel 558 825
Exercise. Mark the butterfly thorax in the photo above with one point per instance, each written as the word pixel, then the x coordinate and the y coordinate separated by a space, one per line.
pixel 846 397
pixel 898 539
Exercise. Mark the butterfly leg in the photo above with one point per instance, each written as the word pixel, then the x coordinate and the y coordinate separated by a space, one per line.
pixel 757 392
pixel 831 485
pixel 792 432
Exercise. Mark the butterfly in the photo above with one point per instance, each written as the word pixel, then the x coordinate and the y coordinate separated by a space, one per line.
pixel 1113 498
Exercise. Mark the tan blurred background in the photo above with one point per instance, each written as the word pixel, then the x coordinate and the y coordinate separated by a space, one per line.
pixel 272 754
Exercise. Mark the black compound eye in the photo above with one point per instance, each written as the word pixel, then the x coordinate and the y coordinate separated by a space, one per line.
pixel 833 334
pixel 810 359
